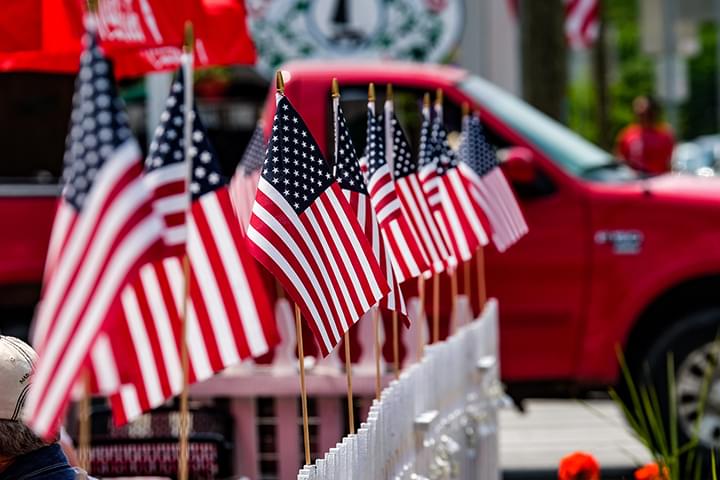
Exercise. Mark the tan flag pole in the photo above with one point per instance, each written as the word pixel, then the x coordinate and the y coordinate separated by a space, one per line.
pixel 375 311
pixel 280 87
pixel 184 431
pixel 346 337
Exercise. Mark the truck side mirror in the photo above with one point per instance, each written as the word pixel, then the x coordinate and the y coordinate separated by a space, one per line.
pixel 518 165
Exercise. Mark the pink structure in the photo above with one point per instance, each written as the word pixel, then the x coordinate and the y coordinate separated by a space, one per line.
pixel 265 399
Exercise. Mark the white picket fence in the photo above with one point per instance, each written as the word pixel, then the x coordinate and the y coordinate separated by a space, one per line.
pixel 437 421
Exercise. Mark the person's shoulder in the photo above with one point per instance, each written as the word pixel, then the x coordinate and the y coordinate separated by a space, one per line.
pixel 629 130
pixel 666 130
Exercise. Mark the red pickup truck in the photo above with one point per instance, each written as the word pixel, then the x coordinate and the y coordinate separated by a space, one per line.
pixel 612 258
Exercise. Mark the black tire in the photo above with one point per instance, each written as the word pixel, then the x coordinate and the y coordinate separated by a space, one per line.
pixel 688 340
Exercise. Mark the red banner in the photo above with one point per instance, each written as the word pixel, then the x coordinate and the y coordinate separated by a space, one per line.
pixel 139 35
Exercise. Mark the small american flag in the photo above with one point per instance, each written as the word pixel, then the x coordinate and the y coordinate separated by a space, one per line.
pixel 408 256
pixel 582 22
pixel 414 203
pixel 353 185
pixel 489 187
pixel 104 229
pixel 243 184
pixel 305 233
pixel 458 216
pixel 228 317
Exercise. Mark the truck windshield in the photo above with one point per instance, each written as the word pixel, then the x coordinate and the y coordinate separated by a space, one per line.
pixel 575 154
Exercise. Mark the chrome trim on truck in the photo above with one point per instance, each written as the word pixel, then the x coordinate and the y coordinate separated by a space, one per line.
pixel 29 190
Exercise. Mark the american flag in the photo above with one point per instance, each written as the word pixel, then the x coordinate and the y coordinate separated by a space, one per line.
pixel 414 203
pixel 305 233
pixel 582 22
pixel 457 215
pixel 104 229
pixel 489 187
pixel 407 253
pixel 243 184
pixel 352 183
pixel 228 317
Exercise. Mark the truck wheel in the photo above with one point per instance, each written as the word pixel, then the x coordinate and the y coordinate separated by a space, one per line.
pixel 692 342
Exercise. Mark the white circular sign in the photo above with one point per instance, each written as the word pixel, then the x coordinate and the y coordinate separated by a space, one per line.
pixel 420 30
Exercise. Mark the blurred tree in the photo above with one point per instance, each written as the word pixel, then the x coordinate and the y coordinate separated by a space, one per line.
pixel 629 74
pixel 601 81
pixel 699 116
pixel 544 55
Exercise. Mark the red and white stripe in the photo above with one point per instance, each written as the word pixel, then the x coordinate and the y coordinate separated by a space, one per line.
pixel 407 254
pixel 90 263
pixel 582 22
pixel 362 206
pixel 414 204
pixel 171 202
pixel 242 193
pixel 416 208
pixel 460 217
pixel 319 257
pixel 228 316
pixel 493 194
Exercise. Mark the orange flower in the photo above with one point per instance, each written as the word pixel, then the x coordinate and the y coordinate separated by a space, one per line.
pixel 651 471
pixel 579 466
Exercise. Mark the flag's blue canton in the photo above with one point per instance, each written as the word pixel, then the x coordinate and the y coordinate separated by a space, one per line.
pixel 348 171
pixel 375 146
pixel 426 150
pixel 98 125
pixel 444 155
pixel 478 153
pixel 403 161
pixel 254 155
pixel 167 146
pixel 294 165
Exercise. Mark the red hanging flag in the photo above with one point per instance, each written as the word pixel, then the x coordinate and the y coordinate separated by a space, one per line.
pixel 139 36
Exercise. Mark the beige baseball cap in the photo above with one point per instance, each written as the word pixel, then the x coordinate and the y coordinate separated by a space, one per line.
pixel 17 362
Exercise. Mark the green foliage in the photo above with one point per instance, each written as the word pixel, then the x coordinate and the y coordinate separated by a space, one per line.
pixel 631 73
pixel 582 109
pixel 647 422
pixel 698 116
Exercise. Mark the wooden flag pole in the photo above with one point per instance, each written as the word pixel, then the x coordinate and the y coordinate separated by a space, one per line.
pixel 184 433
pixel 348 358
pixel 482 294
pixel 303 392
pixel 421 320
pixel 378 372
pixel 84 406
pixel 468 265
pixel 375 311
pixel 396 344
pixel 84 430
pixel 436 308
pixel 466 279
pixel 389 153
pixel 280 87
pixel 348 372
pixel 453 306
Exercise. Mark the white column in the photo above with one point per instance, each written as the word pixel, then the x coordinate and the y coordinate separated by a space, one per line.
pixel 157 88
